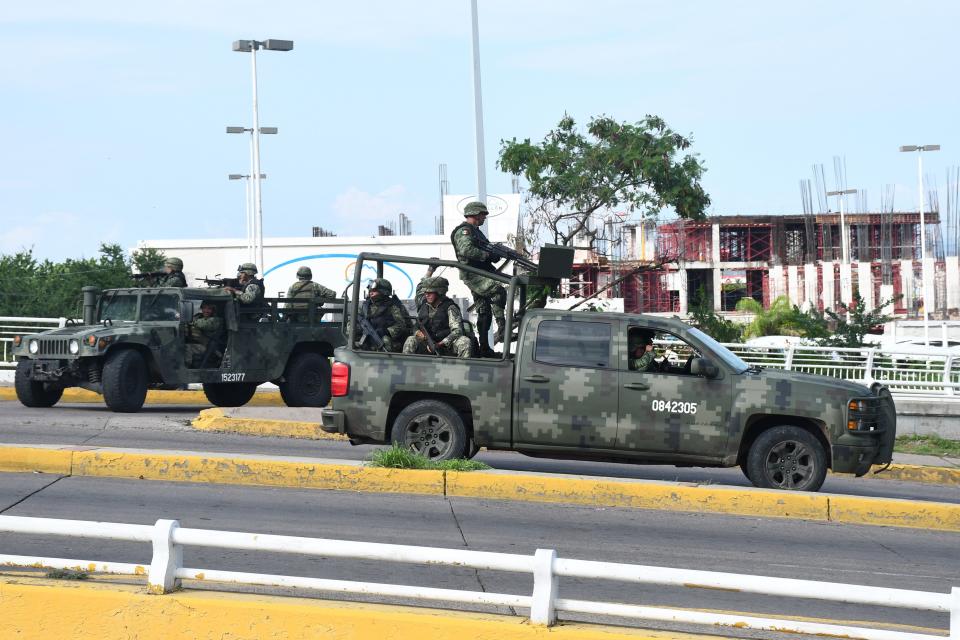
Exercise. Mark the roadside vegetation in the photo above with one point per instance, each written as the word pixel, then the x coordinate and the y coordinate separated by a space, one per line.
pixel 932 445
pixel 398 457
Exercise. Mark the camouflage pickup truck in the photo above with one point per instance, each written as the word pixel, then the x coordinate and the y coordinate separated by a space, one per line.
pixel 569 390
pixel 132 340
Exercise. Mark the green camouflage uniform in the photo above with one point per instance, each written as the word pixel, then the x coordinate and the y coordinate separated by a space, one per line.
pixel 199 334
pixel 388 316
pixel 643 363
pixel 174 279
pixel 455 343
pixel 306 289
pixel 489 296
pixel 251 293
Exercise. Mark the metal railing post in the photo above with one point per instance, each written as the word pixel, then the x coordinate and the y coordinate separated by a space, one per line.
pixel 947 379
pixel 545 583
pixel 868 368
pixel 955 613
pixel 167 558
pixel 788 362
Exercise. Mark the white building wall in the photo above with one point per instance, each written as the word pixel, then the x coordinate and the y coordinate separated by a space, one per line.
pixel 793 288
pixel 846 283
pixel 952 264
pixel 906 280
pixel 810 284
pixel 865 284
pixel 827 285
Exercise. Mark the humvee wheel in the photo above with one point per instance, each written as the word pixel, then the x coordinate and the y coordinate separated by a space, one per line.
pixel 431 428
pixel 34 394
pixel 125 381
pixel 229 394
pixel 306 381
pixel 787 458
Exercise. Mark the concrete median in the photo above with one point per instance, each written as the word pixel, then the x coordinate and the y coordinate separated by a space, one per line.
pixel 343 475
pixel 191 396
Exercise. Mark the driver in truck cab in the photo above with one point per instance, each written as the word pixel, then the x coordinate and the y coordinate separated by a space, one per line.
pixel 641 351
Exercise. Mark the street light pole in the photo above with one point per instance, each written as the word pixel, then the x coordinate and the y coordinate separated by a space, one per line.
pixel 920 148
pixel 478 107
pixel 252 46
pixel 846 275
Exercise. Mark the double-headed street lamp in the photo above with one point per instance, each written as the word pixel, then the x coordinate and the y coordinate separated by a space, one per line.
pixel 920 148
pixel 251 47
pixel 254 222
pixel 248 209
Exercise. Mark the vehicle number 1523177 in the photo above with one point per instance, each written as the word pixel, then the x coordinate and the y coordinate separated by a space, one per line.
pixel 232 377
pixel 674 406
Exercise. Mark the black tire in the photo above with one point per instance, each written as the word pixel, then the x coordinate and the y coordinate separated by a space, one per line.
pixel 431 428
pixel 125 380
pixel 789 458
pixel 229 394
pixel 306 381
pixel 34 394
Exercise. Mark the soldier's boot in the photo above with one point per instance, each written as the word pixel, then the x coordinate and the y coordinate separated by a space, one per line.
pixel 498 336
pixel 483 328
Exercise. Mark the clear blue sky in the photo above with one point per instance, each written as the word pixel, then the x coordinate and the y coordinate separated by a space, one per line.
pixel 115 110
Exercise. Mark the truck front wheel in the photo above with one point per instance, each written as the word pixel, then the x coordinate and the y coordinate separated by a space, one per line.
pixel 226 394
pixel 125 381
pixel 306 381
pixel 34 394
pixel 787 457
pixel 431 428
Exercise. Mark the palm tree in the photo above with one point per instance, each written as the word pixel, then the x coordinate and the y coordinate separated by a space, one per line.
pixel 777 320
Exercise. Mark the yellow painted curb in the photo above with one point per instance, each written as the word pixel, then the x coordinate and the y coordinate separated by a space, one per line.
pixel 491 485
pixel 642 494
pixel 44 609
pixel 260 399
pixel 918 473
pixel 215 420
pixel 254 471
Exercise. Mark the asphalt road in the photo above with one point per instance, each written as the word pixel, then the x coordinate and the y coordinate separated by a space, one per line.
pixel 168 427
pixel 881 556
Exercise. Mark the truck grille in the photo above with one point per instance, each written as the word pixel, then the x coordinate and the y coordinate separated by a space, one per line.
pixel 50 347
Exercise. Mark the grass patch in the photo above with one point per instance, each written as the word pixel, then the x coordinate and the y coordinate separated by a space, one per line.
pixel 67 574
pixel 932 445
pixel 398 457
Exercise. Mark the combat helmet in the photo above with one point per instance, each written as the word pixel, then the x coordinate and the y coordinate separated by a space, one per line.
pixel 304 273
pixel 435 285
pixel 248 268
pixel 475 208
pixel 382 285
pixel 175 263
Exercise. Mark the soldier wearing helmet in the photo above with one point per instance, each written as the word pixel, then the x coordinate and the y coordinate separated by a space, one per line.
pixel 204 328
pixel 250 291
pixel 488 295
pixel 171 276
pixel 307 289
pixel 385 315
pixel 640 345
pixel 439 317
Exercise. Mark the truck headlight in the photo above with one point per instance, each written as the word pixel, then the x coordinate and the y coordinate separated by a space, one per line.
pixel 74 346
pixel 34 346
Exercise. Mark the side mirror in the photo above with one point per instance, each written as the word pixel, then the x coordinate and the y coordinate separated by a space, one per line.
pixel 704 367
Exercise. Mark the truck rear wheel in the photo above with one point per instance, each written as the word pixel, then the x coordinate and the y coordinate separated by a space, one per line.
pixel 227 394
pixel 431 428
pixel 125 381
pixel 34 394
pixel 787 457
pixel 306 381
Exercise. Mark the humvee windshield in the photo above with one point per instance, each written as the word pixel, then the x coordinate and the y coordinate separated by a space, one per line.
pixel 163 306
pixel 118 307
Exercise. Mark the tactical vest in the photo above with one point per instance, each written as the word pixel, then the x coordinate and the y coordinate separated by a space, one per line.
pixel 439 324
pixel 260 294
pixel 383 319
pixel 476 236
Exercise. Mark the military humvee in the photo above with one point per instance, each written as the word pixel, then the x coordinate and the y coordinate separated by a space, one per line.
pixel 132 340
pixel 564 388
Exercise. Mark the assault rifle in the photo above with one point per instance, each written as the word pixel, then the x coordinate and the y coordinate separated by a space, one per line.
pixel 149 275
pixel 221 282
pixel 426 334
pixel 369 331
pixel 505 252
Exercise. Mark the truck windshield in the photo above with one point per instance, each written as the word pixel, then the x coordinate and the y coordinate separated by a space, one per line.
pixel 119 308
pixel 720 351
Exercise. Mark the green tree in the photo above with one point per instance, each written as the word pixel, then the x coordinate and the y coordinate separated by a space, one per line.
pixel 779 319
pixel 850 333
pixel 614 165
pixel 147 259
pixel 707 320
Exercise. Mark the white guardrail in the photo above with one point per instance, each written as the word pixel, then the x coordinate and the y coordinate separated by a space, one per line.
pixel 166 570
pixel 11 326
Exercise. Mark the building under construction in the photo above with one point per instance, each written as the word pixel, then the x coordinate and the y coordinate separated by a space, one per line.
pixel 723 259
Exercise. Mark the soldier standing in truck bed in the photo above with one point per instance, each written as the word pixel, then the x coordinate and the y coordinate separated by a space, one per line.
pixel 305 288
pixel 489 296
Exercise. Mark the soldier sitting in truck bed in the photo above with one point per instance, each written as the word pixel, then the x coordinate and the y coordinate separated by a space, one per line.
pixel 206 328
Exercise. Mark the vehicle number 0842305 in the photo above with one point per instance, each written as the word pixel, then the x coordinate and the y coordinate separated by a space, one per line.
pixel 232 377
pixel 674 406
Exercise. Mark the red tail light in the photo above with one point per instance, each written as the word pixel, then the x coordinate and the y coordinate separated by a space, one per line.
pixel 339 379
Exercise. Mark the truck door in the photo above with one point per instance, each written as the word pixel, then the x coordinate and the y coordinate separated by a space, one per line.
pixel 666 409
pixel 565 392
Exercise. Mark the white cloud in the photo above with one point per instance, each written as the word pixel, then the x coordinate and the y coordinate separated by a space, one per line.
pixel 359 212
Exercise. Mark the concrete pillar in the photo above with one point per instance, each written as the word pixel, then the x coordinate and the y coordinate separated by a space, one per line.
pixel 846 283
pixel 717 288
pixel 682 281
pixel 792 284
pixel 929 278
pixel 826 285
pixel 906 283
pixel 715 243
pixel 810 284
pixel 775 281
pixel 865 284
pixel 952 264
